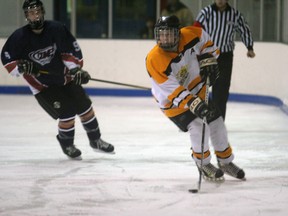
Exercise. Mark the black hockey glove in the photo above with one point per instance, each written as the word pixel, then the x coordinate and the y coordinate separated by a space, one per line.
pixel 80 76
pixel 27 67
pixel 202 110
pixel 208 67
pixel 199 108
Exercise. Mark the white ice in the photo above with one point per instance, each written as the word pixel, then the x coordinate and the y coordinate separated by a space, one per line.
pixel 152 170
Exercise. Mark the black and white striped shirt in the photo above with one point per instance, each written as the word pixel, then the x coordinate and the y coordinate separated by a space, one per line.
pixel 221 27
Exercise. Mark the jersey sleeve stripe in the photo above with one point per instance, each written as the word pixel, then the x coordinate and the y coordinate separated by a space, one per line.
pixel 184 102
pixel 11 66
pixel 71 61
pixel 176 93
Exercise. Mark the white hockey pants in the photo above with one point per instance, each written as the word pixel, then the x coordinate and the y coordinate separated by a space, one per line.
pixel 217 133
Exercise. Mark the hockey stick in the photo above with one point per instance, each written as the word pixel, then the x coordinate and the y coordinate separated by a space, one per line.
pixel 202 141
pixel 122 84
pixel 107 81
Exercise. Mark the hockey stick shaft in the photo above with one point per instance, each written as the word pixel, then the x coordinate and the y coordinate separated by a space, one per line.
pixel 118 83
pixel 203 135
pixel 107 81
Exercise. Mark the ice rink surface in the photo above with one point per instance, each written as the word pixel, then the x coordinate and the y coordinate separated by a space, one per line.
pixel 152 170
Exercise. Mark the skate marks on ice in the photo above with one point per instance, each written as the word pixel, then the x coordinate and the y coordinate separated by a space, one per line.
pixel 152 170
pixel 106 189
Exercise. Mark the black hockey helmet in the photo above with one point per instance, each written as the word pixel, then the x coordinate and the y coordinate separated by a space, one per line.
pixel 168 21
pixel 167 27
pixel 36 5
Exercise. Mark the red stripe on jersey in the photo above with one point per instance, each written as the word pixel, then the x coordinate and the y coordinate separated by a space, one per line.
pixel 197 24
pixel 11 66
pixel 33 82
pixel 70 58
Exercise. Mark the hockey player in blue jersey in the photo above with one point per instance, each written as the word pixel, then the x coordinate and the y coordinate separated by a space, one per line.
pixel 49 58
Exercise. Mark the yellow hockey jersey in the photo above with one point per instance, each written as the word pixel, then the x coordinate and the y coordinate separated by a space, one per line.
pixel 175 75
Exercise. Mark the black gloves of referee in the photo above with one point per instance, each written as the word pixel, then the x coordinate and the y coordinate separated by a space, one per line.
pixel 27 67
pixel 80 76
pixel 208 68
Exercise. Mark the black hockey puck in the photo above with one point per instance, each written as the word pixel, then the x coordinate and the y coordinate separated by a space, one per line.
pixel 193 190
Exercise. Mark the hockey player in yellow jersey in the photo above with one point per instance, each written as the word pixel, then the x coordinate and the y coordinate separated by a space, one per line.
pixel 178 66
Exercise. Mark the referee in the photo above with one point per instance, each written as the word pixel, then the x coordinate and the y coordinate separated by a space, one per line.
pixel 221 21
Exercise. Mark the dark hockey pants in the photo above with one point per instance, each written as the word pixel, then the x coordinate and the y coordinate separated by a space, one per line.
pixel 220 90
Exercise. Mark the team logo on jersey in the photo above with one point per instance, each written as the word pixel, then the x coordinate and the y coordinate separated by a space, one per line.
pixel 7 55
pixel 182 74
pixel 57 105
pixel 43 56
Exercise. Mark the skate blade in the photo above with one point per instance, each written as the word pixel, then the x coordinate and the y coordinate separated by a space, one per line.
pixel 243 179
pixel 75 158
pixel 216 180
pixel 240 179
pixel 103 152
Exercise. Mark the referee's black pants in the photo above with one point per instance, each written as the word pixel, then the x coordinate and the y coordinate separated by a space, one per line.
pixel 220 90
